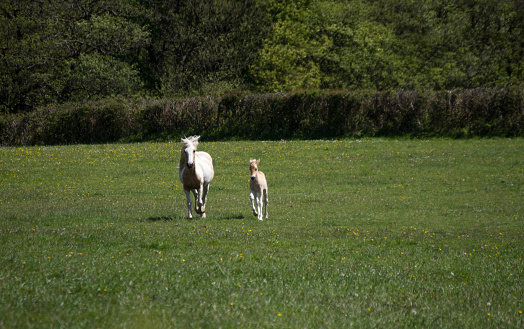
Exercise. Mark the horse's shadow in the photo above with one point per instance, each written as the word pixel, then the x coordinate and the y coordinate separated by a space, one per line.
pixel 160 219
pixel 220 217
pixel 229 217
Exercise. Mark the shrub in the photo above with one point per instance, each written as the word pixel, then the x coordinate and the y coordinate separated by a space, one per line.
pixel 302 114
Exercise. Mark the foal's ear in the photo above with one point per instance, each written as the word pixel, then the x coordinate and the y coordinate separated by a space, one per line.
pixel 258 161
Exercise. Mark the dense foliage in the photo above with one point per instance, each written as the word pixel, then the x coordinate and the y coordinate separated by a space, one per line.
pixel 57 51
pixel 455 113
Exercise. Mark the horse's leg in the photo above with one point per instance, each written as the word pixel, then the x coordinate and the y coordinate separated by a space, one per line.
pixel 188 200
pixel 200 193
pixel 196 193
pixel 252 199
pixel 205 189
pixel 266 202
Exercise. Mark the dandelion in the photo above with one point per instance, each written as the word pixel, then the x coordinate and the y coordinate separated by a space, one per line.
pixel 279 314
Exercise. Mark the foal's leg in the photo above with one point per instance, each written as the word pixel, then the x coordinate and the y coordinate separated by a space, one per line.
pixel 265 202
pixel 188 201
pixel 259 203
pixel 252 198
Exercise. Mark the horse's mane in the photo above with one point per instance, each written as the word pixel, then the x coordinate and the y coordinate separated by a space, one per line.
pixel 188 141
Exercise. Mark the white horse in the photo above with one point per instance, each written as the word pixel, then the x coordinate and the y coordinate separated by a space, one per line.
pixel 258 188
pixel 196 172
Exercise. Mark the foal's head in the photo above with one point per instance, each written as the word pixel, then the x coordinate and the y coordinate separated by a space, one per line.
pixel 253 167
pixel 189 146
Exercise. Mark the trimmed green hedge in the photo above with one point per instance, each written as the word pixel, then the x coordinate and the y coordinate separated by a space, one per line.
pixel 306 114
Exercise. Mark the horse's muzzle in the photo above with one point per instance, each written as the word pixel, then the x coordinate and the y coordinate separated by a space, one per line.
pixel 252 177
pixel 189 165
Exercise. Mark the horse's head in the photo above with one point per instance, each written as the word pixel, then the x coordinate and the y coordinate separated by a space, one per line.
pixel 253 167
pixel 189 146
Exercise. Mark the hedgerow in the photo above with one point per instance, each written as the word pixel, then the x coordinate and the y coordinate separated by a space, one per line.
pixel 302 114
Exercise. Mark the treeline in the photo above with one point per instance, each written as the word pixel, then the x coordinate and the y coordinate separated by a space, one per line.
pixel 58 51
pixel 455 113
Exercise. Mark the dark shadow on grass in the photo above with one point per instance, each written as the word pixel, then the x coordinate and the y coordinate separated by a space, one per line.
pixel 229 217
pixel 220 217
pixel 163 219
pixel 159 219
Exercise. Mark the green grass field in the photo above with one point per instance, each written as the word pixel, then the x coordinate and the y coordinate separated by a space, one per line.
pixel 361 233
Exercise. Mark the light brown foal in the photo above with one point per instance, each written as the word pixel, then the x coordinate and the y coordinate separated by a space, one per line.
pixel 258 189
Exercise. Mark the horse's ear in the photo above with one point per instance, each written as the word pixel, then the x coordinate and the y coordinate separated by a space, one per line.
pixel 258 161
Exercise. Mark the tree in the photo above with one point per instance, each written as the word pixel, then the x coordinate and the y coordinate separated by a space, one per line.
pixel 451 44
pixel 201 46
pixel 390 44
pixel 74 50
pixel 323 44
pixel 55 51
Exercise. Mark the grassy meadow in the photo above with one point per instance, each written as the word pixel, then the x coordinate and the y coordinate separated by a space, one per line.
pixel 361 233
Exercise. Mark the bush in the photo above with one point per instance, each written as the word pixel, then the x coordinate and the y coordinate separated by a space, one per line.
pixel 303 114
